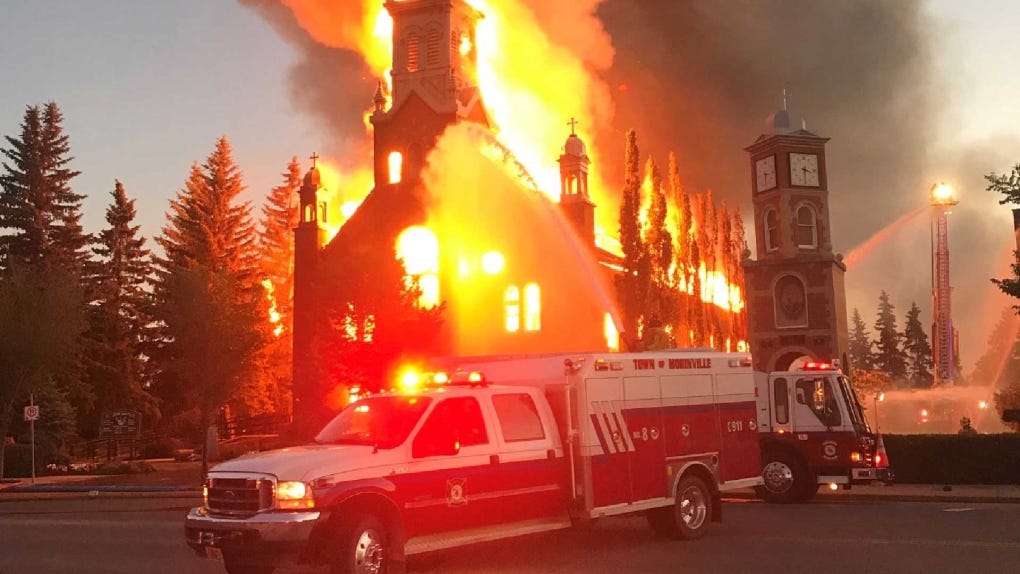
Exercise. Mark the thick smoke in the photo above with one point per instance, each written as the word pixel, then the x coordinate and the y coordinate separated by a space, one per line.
pixel 331 84
pixel 698 77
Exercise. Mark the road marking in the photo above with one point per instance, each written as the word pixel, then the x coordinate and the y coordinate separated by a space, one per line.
pixel 892 542
pixel 965 509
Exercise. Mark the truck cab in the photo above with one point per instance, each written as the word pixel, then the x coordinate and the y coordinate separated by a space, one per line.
pixel 813 432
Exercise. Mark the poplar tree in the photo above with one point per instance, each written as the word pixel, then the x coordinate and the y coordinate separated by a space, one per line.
pixel 276 239
pixel 740 252
pixel 120 317
pixel 918 353
pixel 728 267
pixel 628 283
pixel 698 241
pixel 860 344
pixel 659 242
pixel 889 356
pixel 681 272
pixel 211 267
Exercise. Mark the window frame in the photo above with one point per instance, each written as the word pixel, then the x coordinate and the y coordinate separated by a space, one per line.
pixel 771 243
pixel 499 399
pixel 813 226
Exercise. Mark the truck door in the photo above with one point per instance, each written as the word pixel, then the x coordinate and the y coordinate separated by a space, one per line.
pixel 452 482
pixel 779 404
pixel 819 422
pixel 642 416
pixel 739 451
pixel 533 473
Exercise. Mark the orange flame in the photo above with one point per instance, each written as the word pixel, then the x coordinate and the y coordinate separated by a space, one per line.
pixel 274 314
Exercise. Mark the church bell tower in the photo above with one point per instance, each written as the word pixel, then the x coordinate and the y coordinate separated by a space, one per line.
pixel 435 84
pixel 795 294
pixel 575 202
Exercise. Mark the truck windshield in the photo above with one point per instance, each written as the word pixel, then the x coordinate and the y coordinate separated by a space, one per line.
pixel 383 422
pixel 853 405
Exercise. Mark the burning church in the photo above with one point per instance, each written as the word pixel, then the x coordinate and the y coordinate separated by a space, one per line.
pixel 514 271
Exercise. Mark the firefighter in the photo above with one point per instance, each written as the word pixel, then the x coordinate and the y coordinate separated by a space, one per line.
pixel 965 427
pixel 655 337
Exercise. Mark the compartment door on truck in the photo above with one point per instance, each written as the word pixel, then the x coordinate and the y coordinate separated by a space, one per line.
pixel 642 415
pixel 610 467
pixel 739 456
pixel 444 492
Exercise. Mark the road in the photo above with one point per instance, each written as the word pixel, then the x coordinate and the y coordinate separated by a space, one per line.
pixel 113 536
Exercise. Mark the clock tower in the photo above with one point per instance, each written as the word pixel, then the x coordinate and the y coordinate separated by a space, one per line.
pixel 795 295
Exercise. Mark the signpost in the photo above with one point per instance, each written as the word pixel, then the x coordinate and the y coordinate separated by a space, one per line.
pixel 32 415
pixel 117 425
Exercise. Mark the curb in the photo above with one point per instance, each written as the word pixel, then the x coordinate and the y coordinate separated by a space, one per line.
pixel 892 497
pixel 16 496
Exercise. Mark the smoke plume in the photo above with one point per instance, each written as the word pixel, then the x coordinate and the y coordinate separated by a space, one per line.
pixel 698 77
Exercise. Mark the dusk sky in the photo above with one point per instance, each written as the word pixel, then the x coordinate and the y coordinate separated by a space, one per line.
pixel 147 86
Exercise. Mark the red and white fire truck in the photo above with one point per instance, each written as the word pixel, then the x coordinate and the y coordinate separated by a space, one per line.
pixel 813 432
pixel 493 448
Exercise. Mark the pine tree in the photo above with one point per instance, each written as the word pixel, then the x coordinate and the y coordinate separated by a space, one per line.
pixel 860 344
pixel 888 356
pixel 628 283
pixel 917 350
pixel 209 236
pixel 998 366
pixel 279 218
pixel 119 317
pixel 36 200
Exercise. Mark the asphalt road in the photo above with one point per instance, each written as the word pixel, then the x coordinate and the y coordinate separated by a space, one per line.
pixel 145 535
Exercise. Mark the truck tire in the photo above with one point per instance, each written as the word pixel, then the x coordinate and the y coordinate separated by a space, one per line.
pixel 689 517
pixel 362 547
pixel 233 565
pixel 786 479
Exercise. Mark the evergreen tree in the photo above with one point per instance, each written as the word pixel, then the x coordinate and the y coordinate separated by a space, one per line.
pixel 119 321
pixel 209 236
pixel 662 306
pixel 628 283
pixel 36 200
pixel 279 218
pixel 1008 185
pixel 860 344
pixel 41 314
pixel 697 242
pixel 998 366
pixel 888 356
pixel 917 350
pixel 729 270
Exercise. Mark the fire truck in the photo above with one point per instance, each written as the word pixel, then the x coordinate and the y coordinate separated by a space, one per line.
pixel 813 433
pixel 492 448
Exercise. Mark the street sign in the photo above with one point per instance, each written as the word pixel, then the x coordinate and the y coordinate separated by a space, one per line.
pixel 120 424
pixel 32 413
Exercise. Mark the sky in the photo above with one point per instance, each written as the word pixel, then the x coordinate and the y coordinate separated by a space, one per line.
pixel 147 86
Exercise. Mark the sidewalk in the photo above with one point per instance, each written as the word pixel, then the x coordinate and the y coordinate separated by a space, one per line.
pixel 182 479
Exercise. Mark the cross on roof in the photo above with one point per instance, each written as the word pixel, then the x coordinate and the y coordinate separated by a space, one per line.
pixel 573 126
pixel 314 157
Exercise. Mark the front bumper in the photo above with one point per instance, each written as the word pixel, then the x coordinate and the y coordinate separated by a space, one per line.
pixel 266 538
pixel 868 474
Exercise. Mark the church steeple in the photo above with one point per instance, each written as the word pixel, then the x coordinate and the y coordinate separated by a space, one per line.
pixel 574 200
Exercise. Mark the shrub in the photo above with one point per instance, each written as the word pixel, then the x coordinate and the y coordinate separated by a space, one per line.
pixel 955 459
pixel 164 448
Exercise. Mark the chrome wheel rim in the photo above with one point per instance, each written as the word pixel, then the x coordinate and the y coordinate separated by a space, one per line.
pixel 693 507
pixel 778 477
pixel 368 553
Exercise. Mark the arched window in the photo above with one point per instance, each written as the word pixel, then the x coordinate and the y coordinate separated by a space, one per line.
pixel 512 306
pixel 413 52
pixel 532 307
pixel 771 224
pixel 434 43
pixel 807 229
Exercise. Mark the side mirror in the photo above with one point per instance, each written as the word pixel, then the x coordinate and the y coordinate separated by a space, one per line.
pixel 1011 415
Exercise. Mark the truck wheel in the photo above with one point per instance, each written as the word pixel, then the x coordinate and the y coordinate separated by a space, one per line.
pixel 689 517
pixel 363 548
pixel 235 566
pixel 785 479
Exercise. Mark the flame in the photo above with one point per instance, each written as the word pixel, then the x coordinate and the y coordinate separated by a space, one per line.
pixel 343 192
pixel 274 314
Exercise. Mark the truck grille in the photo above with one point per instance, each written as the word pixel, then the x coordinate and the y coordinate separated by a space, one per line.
pixel 239 496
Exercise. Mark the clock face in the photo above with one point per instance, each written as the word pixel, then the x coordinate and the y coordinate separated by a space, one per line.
pixel 791 301
pixel 804 169
pixel 765 169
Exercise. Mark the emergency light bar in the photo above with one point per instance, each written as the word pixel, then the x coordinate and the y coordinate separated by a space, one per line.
pixel 814 366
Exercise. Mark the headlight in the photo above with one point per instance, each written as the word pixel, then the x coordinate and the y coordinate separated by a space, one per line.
pixel 294 496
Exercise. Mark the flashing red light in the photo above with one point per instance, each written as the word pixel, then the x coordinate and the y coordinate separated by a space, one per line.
pixel 815 366
pixel 881 457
